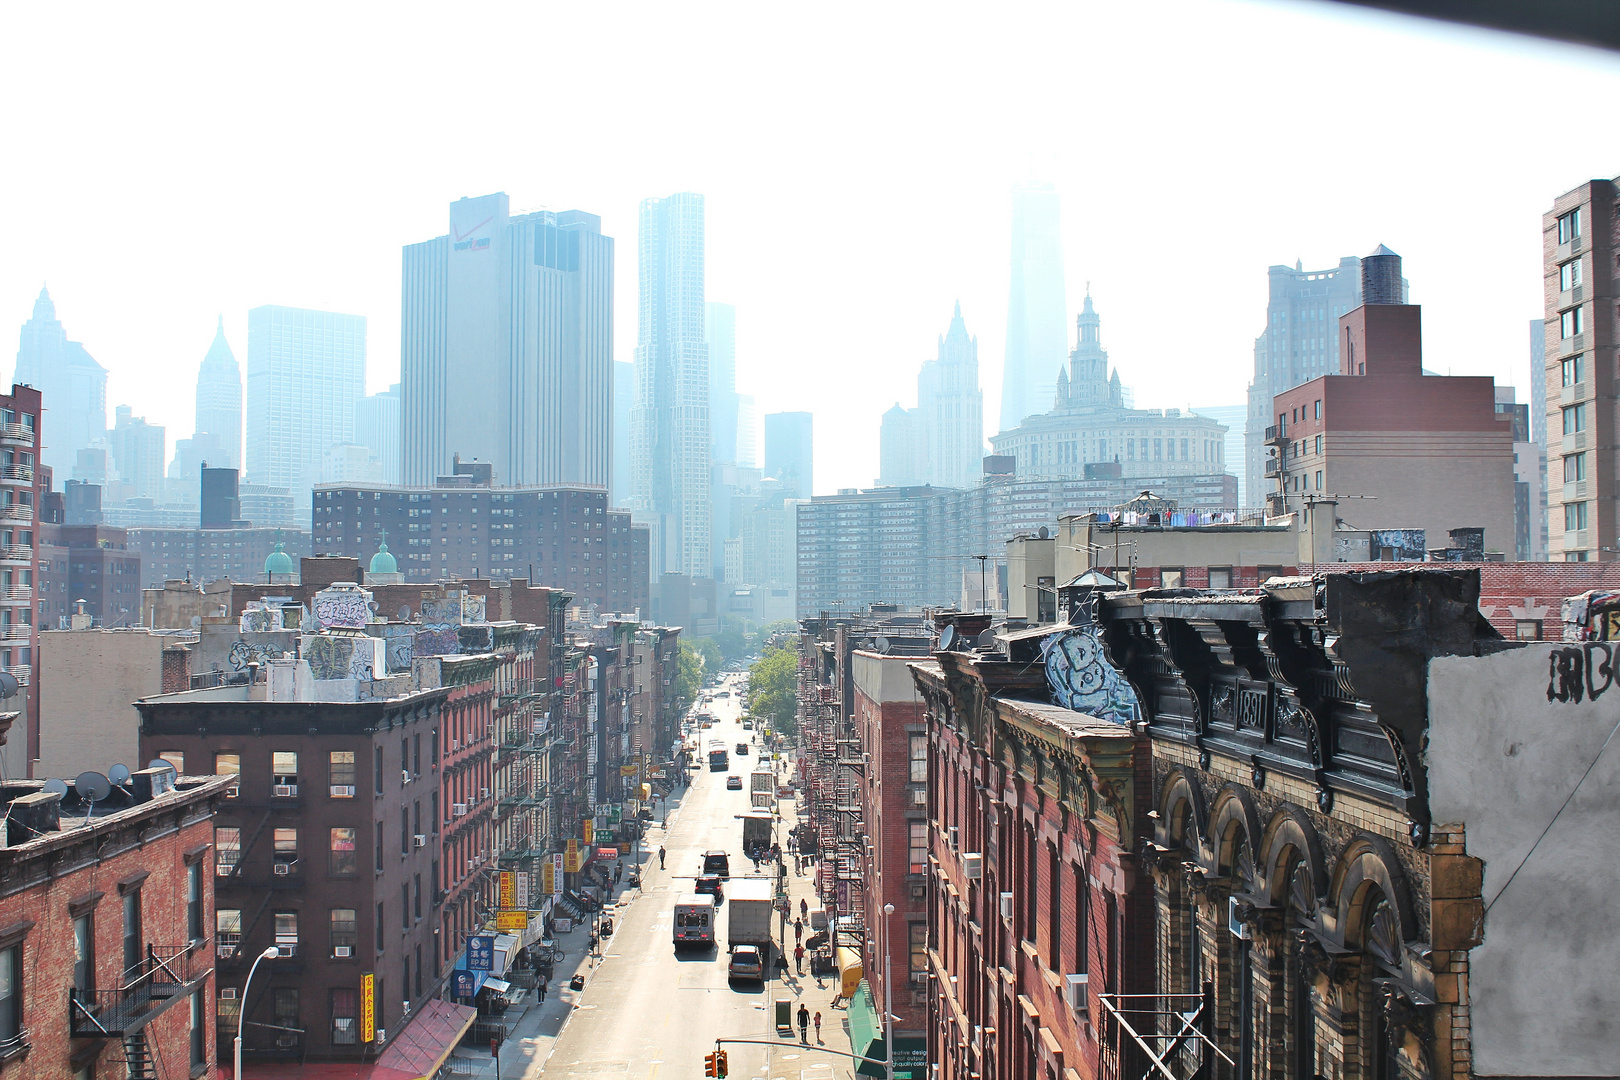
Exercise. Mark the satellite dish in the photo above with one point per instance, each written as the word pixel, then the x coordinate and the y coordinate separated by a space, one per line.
pixel 371 605
pixel 159 763
pixel 948 638
pixel 196 621
pixel 986 639
pixel 118 774
pixel 8 685
pixel 882 644
pixel 1042 533
pixel 55 787
pixel 92 787
pixel 404 613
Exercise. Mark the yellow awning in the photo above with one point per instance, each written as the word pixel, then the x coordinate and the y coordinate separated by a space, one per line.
pixel 849 971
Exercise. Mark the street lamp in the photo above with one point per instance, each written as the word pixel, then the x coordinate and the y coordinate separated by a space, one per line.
pixel 888 1010
pixel 270 953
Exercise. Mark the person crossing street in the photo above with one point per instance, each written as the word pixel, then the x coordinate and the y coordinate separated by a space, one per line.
pixel 804 1023
pixel 660 857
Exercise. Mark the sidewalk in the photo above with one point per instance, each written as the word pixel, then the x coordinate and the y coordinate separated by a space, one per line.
pixel 816 994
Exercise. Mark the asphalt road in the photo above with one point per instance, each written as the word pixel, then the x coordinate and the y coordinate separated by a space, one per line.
pixel 648 1012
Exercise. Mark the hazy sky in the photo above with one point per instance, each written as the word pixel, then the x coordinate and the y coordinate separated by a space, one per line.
pixel 164 165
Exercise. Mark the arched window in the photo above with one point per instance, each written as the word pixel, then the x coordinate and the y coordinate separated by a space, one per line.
pixel 1299 1026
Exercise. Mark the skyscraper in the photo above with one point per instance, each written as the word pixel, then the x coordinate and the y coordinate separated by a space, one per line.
pixel 724 418
pixel 790 451
pixel 376 425
pixel 72 385
pixel 219 401
pixel 1538 435
pixel 671 449
pixel 306 369
pixel 506 346
pixel 138 452
pixel 1037 313
pixel 941 441
pixel 624 399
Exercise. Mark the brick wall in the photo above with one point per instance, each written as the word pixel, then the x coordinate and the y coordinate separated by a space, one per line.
pixel 1512 591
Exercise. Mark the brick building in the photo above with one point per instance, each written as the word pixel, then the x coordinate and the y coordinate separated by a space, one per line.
pixel 210 554
pixel 562 537
pixel 1039 907
pixel 89 563
pixel 1578 271
pixel 22 491
pixel 106 917
pixel 1418 451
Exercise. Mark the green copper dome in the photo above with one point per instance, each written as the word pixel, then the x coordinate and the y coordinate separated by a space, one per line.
pixel 278 561
pixel 383 562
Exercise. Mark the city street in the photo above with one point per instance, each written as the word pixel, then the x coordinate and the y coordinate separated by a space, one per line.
pixel 649 1012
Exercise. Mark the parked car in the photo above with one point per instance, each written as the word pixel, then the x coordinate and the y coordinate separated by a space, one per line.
pixel 746 963
pixel 734 783
pixel 709 885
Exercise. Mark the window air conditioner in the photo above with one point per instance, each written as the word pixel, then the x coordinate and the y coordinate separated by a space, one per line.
pixel 342 952
pixel 953 836
pixel 285 950
pixel 232 792
pixel 1239 929
pixel 421 840
pixel 1006 905
pixel 483 793
pixel 285 791
pixel 460 809
pixel 227 993
pixel 342 791
pixel 404 776
pixel 283 869
pixel 1074 991
pixel 972 865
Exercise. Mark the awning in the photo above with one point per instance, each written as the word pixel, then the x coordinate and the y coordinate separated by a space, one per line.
pixel 421 1048
pixel 866 1032
pixel 500 986
pixel 849 971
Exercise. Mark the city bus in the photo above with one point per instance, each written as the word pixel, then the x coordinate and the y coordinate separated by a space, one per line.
pixel 719 759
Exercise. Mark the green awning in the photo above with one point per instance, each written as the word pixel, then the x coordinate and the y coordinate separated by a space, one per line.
pixel 866 1032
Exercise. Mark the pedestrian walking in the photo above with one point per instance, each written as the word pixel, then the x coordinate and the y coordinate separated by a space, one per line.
pixel 798 958
pixel 798 930
pixel 804 907
pixel 804 1023
pixel 660 857
pixel 818 1028
pixel 541 988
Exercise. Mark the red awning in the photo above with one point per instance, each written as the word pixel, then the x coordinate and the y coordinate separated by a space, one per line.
pixel 323 1070
pixel 426 1041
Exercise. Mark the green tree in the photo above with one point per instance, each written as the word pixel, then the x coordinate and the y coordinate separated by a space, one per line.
pixel 688 676
pixel 709 652
pixel 773 684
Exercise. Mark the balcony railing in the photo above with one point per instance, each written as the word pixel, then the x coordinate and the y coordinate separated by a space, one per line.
pixel 17 433
pixel 21 672
pixel 16 553
pixel 22 474
pixel 16 632
pixel 156 982
pixel 16 592
pixel 16 512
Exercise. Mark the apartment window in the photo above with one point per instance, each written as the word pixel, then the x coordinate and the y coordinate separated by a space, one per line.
pixel 379 835
pixel 84 953
pixel 286 849
pixel 917 859
pixel 344 859
pixel 1569 275
pixel 1574 418
pixel 132 933
pixel 1527 629
pixel 227 931
pixel 1569 226
pixel 344 935
pixel 1574 516
pixel 1220 577
pixel 175 758
pixel 419 971
pixel 917 939
pixel 285 1015
pixel 284 770
pixel 1158 449
pixel 194 901
pixel 1318 409
pixel 379 925
pixel 416 898
pixel 227 849
pixel 1318 479
pixel 1571 322
pixel 228 765
pixel 199 1031
pixel 404 830
pixel 416 755
pixel 1082 921
pixel 1054 910
pixel 1319 446
pixel 1576 556
pixel 286 924
pixel 433 809
pixel 1172 577
pixel 404 762
pixel 919 759
pixel 1574 468
pixel 345 1016
pixel 1266 573
pixel 10 994
pixel 1572 371
pixel 377 771
pixel 342 773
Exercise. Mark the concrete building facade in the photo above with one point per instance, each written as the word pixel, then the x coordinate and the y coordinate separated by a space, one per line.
pixel 199 555
pixel 377 426
pixel 89 724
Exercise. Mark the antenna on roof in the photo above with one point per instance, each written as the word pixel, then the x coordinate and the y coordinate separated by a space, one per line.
pixel 118 775
pixel 91 787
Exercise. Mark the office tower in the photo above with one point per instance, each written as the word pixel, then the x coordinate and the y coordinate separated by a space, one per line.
pixel 790 451
pixel 1527 467
pixel 376 425
pixel 138 451
pixel 71 383
pixel 221 507
pixel 1578 264
pixel 1299 343
pixel 624 399
pixel 1037 313
pixel 671 446
pixel 747 432
pixel 506 346
pixel 941 441
pixel 720 330
pixel 306 370
pixel 1236 419
pixel 219 401
pixel 1538 434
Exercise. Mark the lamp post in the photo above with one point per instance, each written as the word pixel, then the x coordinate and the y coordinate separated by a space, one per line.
pixel 270 953
pixel 888 1011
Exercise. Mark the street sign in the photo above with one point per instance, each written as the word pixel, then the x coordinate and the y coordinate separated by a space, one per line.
pixel 557 874
pixel 512 920
pixel 463 984
pixel 590 830
pixel 368 1007
pixel 481 953
pixel 523 889
pixel 508 889
pixel 571 856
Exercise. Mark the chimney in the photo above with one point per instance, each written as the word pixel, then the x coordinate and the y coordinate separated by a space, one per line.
pixel 32 816
pixel 149 784
pixel 176 671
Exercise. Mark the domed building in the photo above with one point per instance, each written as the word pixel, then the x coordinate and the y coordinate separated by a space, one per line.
pixel 384 568
pixel 279 568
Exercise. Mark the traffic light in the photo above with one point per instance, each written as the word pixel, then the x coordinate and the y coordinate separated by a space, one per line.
pixel 720 1063
pixel 710 1064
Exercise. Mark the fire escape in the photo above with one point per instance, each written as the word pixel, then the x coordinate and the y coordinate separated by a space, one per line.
pixel 167 974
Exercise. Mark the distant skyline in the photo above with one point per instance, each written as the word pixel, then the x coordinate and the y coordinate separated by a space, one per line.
pixel 1183 175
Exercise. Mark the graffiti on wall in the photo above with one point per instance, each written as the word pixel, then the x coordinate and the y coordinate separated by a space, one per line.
pixel 473 608
pixel 1398 545
pixel 259 619
pixel 339 657
pixel 1593 615
pixel 442 609
pixel 1082 679
pixel 439 640
pixel 1585 671
pixel 244 653
pixel 399 644
pixel 477 639
pixel 342 607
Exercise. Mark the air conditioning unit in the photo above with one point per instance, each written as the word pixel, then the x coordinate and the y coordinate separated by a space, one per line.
pixel 1238 928
pixel 342 952
pixel 342 791
pixel 227 993
pixel 483 793
pixel 972 865
pixel 233 791
pixel 455 744
pixel 404 776
pixel 287 949
pixel 1006 905
pixel 382 1036
pixel 421 840
pixel 283 869
pixel 469 866
pixel 285 791
pixel 953 836
pixel 1074 991
pixel 460 809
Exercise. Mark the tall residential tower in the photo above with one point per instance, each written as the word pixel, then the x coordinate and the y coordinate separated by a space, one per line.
pixel 71 384
pixel 1037 312
pixel 506 346
pixel 671 448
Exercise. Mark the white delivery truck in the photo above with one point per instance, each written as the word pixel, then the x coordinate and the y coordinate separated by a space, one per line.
pixel 748 901
pixel 762 789
pixel 694 922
